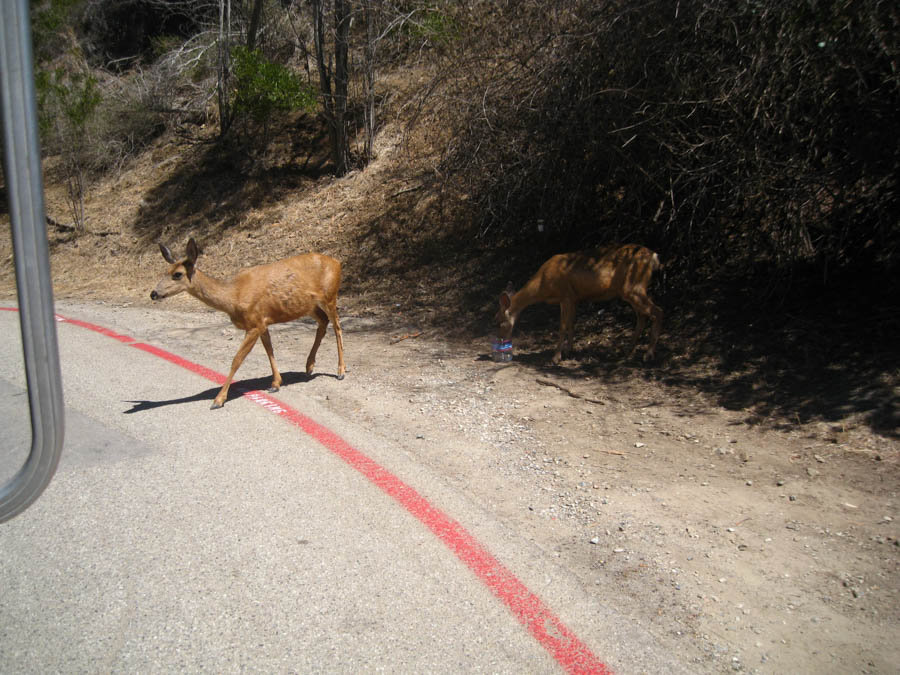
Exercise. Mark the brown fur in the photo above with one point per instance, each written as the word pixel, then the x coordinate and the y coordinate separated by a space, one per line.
pixel 601 274
pixel 257 297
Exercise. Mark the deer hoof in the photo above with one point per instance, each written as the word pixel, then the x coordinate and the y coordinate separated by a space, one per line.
pixel 341 376
pixel 272 390
pixel 216 405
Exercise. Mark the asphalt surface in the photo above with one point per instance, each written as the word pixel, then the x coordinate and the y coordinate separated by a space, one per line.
pixel 175 538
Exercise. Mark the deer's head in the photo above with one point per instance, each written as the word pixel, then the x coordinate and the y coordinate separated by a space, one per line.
pixel 180 273
pixel 504 319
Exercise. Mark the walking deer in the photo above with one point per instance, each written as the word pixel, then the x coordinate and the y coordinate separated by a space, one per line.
pixel 257 297
pixel 601 274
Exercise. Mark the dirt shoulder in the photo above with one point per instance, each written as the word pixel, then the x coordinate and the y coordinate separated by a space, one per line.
pixel 748 548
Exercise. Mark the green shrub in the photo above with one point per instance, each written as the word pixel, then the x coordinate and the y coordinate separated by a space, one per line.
pixel 436 27
pixel 66 102
pixel 261 87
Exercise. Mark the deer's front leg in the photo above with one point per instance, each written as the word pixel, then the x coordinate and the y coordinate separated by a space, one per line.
pixel 276 376
pixel 243 350
pixel 566 328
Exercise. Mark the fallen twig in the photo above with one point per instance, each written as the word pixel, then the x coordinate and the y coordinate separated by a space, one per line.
pixel 573 394
pixel 406 190
pixel 62 227
pixel 615 452
pixel 405 337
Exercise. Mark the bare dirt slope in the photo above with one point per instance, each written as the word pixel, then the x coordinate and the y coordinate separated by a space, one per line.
pixel 746 541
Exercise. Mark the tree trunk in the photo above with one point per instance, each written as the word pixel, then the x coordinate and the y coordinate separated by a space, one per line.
pixel 224 66
pixel 341 82
pixel 369 81
pixel 334 100
pixel 254 24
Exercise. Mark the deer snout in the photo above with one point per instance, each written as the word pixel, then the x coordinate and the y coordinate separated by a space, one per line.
pixel 504 327
pixel 154 295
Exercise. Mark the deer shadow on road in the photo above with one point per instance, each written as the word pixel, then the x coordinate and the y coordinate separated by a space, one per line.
pixel 238 389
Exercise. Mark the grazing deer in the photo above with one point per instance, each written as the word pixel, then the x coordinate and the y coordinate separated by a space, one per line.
pixel 601 274
pixel 257 297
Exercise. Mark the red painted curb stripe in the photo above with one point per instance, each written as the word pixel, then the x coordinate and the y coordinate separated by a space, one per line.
pixel 95 328
pixel 202 371
pixel 573 655
pixel 548 630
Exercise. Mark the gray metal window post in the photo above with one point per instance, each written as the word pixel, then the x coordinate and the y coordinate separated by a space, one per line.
pixel 22 170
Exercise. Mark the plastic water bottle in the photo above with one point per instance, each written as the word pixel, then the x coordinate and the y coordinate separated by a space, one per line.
pixel 501 350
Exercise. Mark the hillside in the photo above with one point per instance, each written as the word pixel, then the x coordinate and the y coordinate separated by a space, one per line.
pixel 405 256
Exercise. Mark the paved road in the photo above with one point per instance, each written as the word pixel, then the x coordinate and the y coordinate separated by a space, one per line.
pixel 178 538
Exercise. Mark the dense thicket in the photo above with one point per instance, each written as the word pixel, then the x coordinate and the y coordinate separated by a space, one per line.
pixel 726 135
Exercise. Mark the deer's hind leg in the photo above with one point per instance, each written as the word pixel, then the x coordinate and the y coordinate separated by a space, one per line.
pixel 645 309
pixel 322 319
pixel 639 329
pixel 331 310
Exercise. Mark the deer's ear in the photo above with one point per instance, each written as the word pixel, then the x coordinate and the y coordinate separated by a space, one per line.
pixel 167 254
pixel 505 300
pixel 193 251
